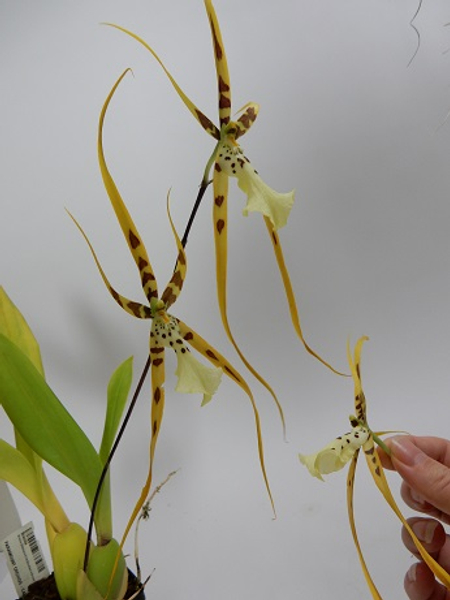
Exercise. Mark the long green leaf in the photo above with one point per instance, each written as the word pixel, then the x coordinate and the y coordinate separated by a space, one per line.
pixel 16 470
pixel 47 426
pixel 14 326
pixel 118 390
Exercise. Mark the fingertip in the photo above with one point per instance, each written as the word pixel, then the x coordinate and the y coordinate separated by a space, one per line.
pixel 419 582
pixel 429 532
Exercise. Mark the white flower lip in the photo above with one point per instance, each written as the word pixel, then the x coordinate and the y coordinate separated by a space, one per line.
pixel 260 197
pixel 193 376
pixel 336 454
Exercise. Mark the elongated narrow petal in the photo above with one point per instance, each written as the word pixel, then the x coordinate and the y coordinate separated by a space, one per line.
pixel 158 371
pixel 136 309
pixel 360 399
pixel 351 517
pixel 247 118
pixel 260 197
pixel 175 285
pixel 127 225
pixel 223 77
pixel 220 185
pixel 336 454
pixel 206 123
pixel 276 243
pixel 201 345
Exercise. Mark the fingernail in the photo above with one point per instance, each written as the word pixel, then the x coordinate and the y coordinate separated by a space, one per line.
pixel 406 452
pixel 418 500
pixel 425 530
pixel 411 574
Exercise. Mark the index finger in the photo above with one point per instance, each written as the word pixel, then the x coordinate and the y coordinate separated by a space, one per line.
pixel 435 447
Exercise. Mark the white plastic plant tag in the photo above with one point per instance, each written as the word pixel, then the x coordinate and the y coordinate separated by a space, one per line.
pixel 25 560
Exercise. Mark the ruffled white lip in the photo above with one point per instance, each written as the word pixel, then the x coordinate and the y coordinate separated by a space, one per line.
pixel 336 454
pixel 260 197
pixel 193 376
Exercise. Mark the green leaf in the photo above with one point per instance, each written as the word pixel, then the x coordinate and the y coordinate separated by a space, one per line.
pixel 14 326
pixel 16 470
pixel 48 427
pixel 118 390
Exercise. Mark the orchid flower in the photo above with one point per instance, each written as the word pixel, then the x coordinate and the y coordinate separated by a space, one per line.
pixel 229 160
pixel 167 331
pixel 347 448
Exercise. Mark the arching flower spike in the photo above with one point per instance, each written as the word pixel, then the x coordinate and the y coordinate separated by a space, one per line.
pixel 228 160
pixel 166 331
pixel 347 448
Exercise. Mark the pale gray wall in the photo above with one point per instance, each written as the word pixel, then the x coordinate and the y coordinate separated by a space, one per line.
pixel 362 138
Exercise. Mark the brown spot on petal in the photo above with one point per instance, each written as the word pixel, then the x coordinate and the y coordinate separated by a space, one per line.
pixel 219 200
pixel 223 86
pixel 217 47
pixel 377 471
pixel 155 427
pixel 157 350
pixel 177 279
pixel 205 122
pixel 134 240
pixel 146 277
pixel 220 225
pixel 248 117
pixel 157 362
pixel 169 299
pixel 135 308
pixel 181 258
pixel 224 101
pixel 157 395
pixel 189 336
pixel 142 263
pixel 232 373
pixel 211 354
pixel 217 167
pixel 116 296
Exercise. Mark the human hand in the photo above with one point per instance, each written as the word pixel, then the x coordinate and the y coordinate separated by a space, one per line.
pixel 424 465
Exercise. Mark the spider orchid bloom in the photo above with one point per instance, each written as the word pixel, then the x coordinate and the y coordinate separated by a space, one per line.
pixel 193 376
pixel 337 453
pixel 231 161
pixel 228 160
pixel 322 462
pixel 167 331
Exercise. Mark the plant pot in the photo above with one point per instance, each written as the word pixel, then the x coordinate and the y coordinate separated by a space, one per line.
pixel 45 589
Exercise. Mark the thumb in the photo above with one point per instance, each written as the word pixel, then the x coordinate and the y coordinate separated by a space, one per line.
pixel 426 476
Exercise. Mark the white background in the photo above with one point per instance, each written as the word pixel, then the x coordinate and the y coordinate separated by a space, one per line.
pixel 362 138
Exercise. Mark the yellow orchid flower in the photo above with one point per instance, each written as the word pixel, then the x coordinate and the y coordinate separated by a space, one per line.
pixel 337 453
pixel 228 160
pixel 167 331
pixel 347 448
